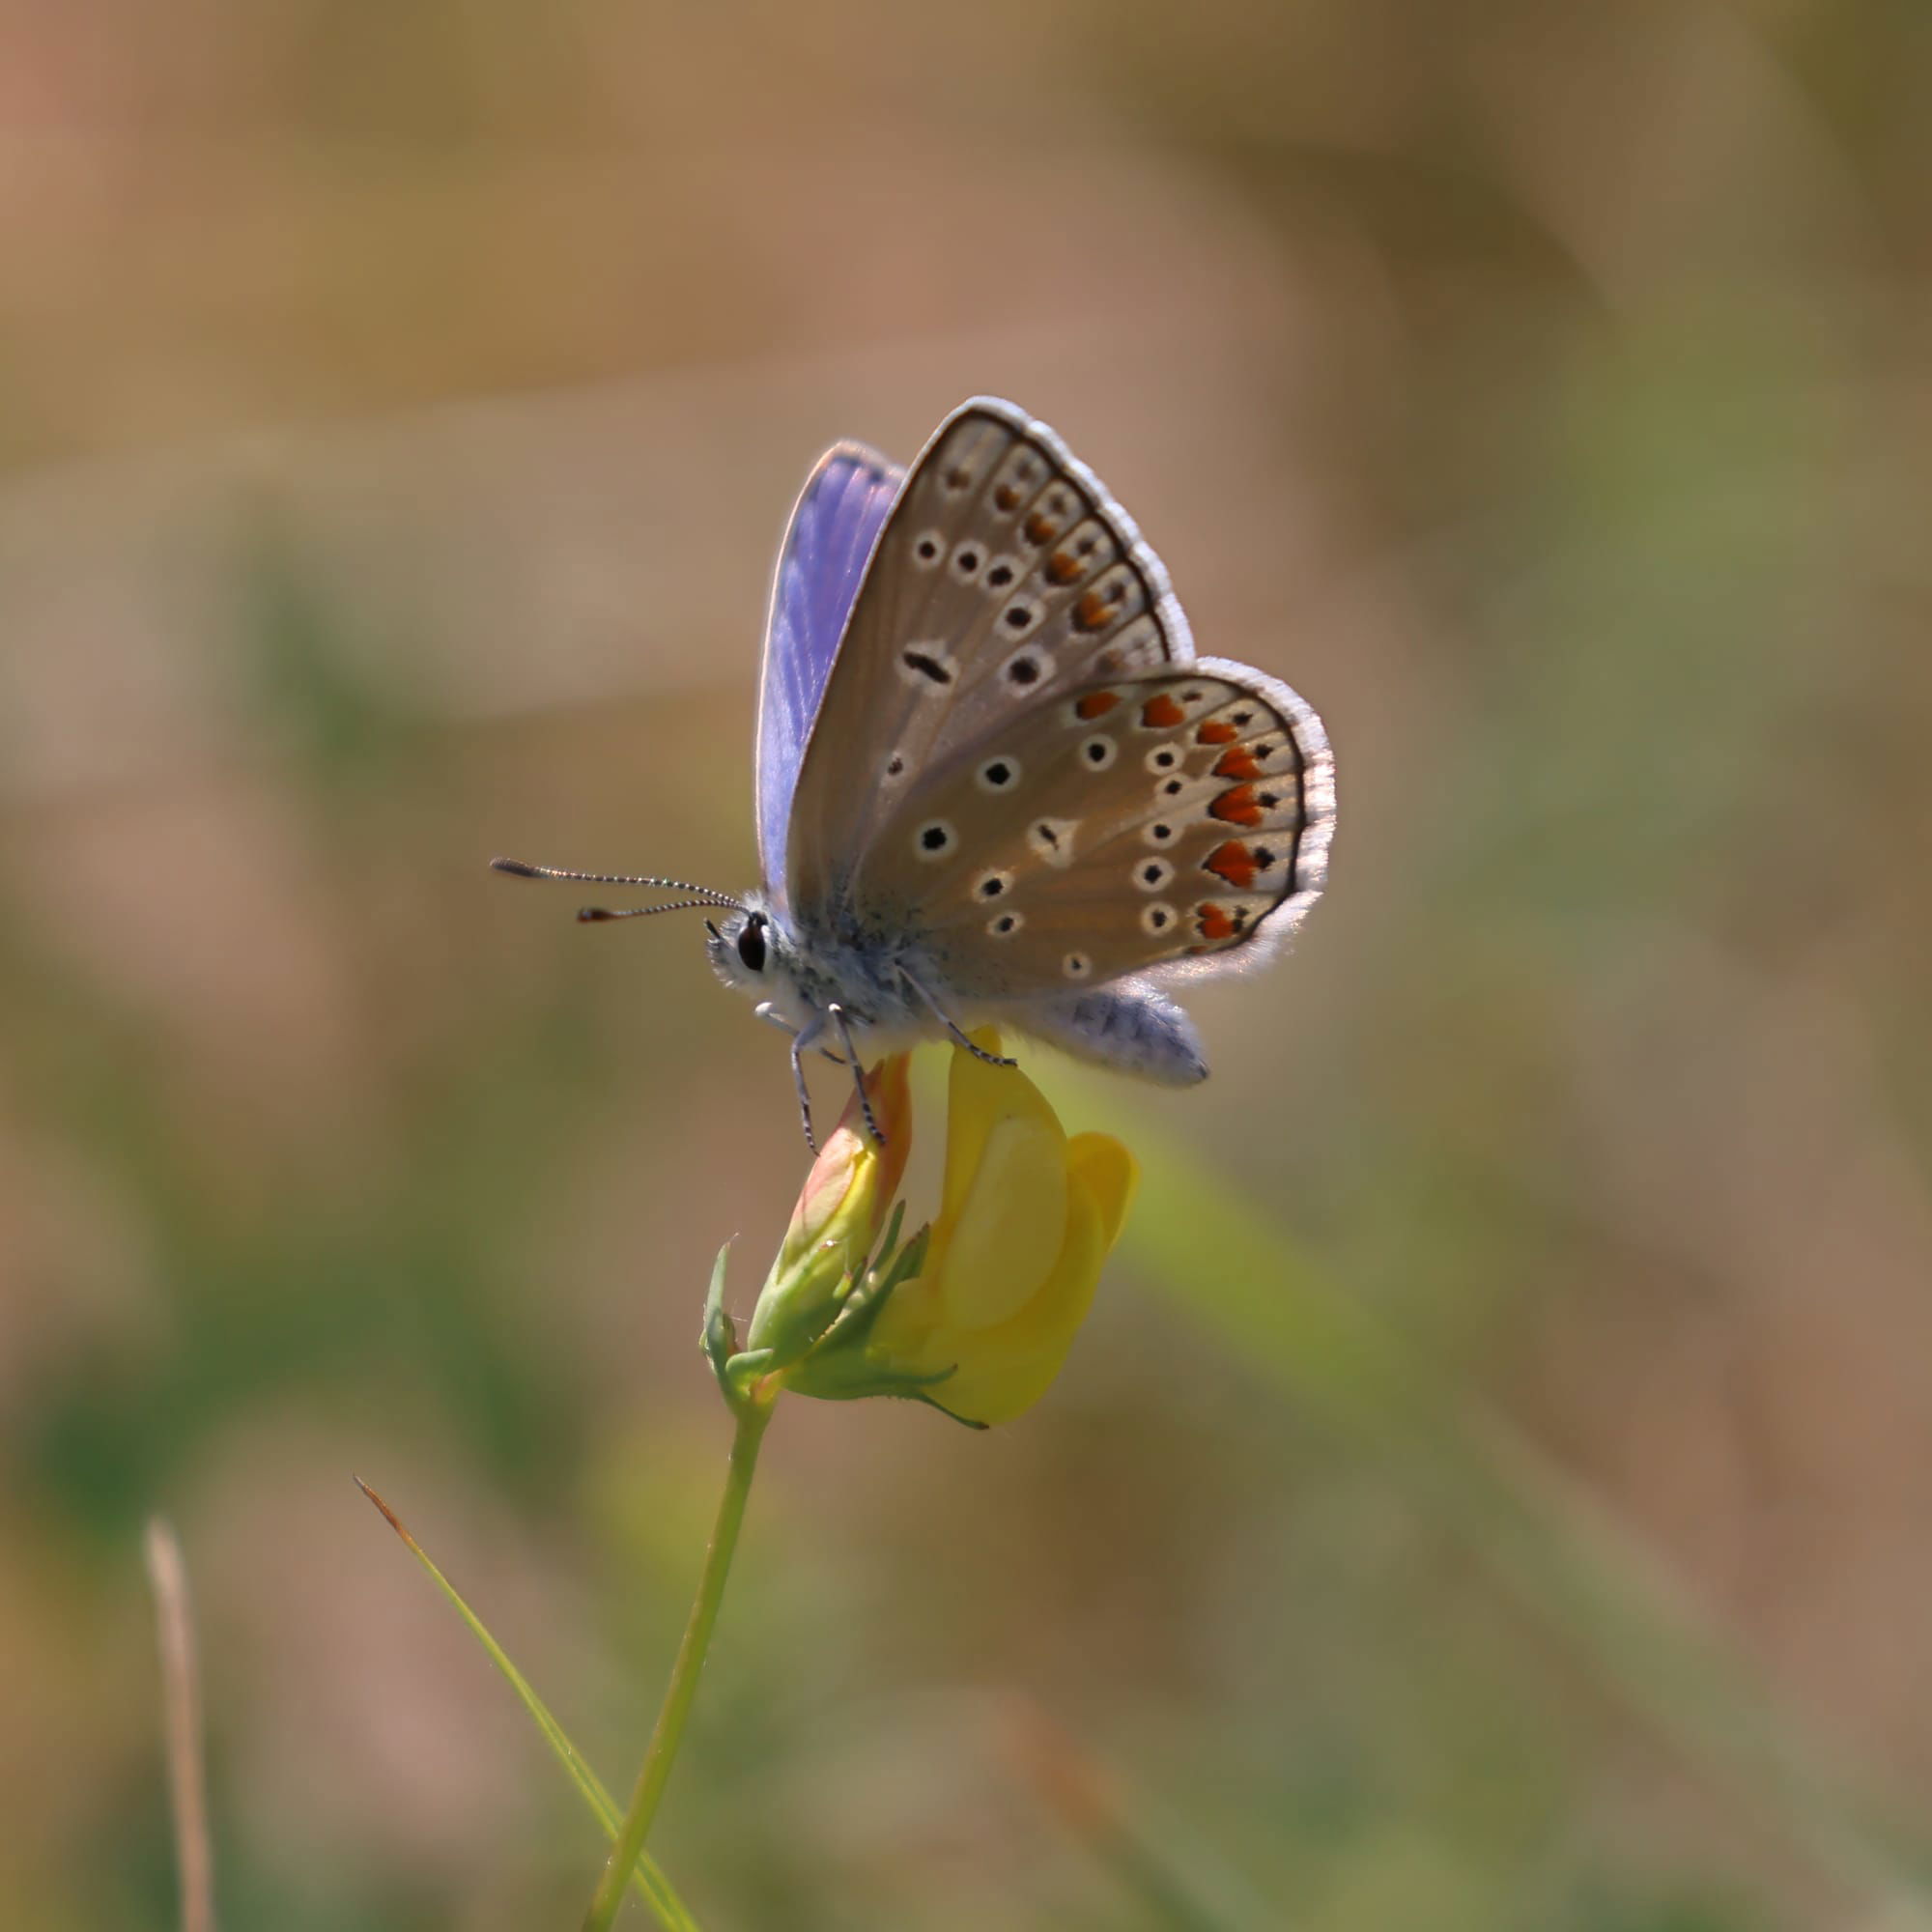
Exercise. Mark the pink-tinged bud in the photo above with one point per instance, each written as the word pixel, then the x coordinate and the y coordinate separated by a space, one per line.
pixel 840 1211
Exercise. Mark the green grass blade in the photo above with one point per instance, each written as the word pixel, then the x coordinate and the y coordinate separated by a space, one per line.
pixel 672 1912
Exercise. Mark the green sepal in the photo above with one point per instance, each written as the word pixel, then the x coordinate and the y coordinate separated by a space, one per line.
pixel 735 1369
pixel 797 1307
pixel 807 1326
pixel 846 1376
pixel 890 1238
pixel 951 1414
pixel 745 1368
pixel 838 1367
pixel 861 1301
pixel 719 1336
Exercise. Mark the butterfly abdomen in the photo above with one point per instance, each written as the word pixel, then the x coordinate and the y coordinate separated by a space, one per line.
pixel 1130 1027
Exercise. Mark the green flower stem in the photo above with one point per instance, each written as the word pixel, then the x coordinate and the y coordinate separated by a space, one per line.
pixel 753 1411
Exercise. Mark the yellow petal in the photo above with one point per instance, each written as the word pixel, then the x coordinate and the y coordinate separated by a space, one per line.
pixel 1010 1226
pixel 908 1333
pixel 978 1098
pixel 1000 1372
pixel 1027 1223
pixel 1102 1167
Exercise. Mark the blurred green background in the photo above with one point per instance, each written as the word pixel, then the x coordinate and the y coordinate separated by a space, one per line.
pixel 1494 1489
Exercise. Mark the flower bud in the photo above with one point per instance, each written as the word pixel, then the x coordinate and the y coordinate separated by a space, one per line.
pixel 1027 1219
pixel 840 1212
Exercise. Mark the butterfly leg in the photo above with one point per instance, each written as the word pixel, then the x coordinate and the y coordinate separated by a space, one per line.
pixel 953 1027
pixel 768 1011
pixel 800 1041
pixel 844 1026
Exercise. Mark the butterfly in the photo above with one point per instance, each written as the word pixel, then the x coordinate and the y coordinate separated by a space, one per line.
pixel 994 782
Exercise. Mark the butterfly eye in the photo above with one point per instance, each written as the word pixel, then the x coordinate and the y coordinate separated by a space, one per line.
pixel 752 942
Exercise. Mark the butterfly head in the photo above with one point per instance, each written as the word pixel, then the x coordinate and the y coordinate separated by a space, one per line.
pixel 751 952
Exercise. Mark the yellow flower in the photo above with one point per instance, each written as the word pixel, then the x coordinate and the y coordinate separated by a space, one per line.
pixel 840 1211
pixel 1026 1220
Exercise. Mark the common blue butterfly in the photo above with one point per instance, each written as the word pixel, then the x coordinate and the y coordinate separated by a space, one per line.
pixel 994 782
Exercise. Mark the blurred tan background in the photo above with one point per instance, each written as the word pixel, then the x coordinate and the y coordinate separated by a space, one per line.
pixel 1494 1490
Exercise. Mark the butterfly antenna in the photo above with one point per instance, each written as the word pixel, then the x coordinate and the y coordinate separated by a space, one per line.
pixel 706 895
pixel 591 915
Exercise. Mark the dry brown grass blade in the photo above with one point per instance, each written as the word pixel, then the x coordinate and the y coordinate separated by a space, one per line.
pixel 181 1723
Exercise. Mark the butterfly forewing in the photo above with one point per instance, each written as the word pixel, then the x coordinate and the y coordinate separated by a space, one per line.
pixel 830 538
pixel 1160 820
pixel 1004 579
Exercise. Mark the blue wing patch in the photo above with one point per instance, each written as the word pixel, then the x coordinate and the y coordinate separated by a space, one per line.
pixel 834 527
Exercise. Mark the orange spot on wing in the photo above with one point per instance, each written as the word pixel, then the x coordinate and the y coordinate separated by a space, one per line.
pixel 1040 529
pixel 1063 567
pixel 1216 731
pixel 1237 806
pixel 1232 861
pixel 1236 762
pixel 1092 610
pixel 1162 713
pixel 1213 922
pixel 1096 705
pixel 1007 496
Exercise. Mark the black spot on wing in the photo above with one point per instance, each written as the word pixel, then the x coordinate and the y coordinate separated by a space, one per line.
pixel 927 666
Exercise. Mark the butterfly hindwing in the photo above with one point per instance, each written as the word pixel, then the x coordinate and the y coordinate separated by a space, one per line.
pixel 1166 820
pixel 1004 578
pixel 828 542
